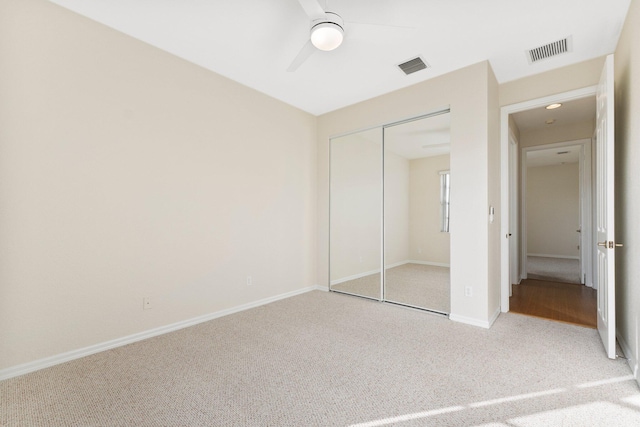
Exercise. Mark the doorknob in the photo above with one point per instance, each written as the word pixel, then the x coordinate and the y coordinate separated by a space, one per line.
pixel 578 231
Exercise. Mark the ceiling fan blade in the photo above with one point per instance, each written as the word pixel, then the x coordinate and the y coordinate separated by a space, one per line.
pixel 306 51
pixel 312 8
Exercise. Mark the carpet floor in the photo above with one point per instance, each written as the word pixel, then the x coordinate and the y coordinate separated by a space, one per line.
pixel 418 285
pixel 325 359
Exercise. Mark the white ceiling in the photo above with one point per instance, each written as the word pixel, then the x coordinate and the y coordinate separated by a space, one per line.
pixel 254 41
pixel 576 111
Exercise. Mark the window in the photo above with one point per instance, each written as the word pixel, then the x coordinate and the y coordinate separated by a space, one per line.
pixel 444 201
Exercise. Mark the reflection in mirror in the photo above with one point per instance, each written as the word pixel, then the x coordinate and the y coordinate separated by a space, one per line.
pixel 356 214
pixel 416 213
pixel 553 236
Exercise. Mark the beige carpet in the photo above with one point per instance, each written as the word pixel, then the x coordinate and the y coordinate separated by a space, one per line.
pixel 418 285
pixel 553 269
pixel 325 359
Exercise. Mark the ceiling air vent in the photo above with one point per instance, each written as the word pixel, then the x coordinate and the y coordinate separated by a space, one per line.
pixel 413 65
pixel 547 51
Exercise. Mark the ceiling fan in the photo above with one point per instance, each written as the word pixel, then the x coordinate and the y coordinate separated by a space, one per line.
pixel 327 32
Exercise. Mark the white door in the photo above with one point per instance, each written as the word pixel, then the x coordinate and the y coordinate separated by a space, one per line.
pixel 605 210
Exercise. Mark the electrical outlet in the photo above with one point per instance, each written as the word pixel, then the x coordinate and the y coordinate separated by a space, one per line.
pixel 420 251
pixel 468 291
pixel 249 281
pixel 146 303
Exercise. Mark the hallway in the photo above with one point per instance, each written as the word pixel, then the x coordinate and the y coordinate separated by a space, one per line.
pixel 562 302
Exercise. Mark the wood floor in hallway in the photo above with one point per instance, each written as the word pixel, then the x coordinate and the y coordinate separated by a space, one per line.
pixel 563 302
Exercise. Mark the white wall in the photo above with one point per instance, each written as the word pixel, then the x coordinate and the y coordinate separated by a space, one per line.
pixel 128 173
pixel 427 242
pixel 553 210
pixel 627 99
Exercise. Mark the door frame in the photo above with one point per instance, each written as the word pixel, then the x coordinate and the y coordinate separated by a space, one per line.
pixel 505 196
pixel 585 191
pixel 514 213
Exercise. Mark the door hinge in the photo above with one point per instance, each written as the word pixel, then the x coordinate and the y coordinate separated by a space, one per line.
pixel 610 244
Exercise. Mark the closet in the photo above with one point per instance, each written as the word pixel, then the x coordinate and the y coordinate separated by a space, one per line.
pixel 389 213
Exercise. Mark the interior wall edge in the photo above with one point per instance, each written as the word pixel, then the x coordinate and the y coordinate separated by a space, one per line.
pixel 634 364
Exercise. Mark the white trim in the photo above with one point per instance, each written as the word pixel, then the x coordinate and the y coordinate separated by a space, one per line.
pixel 46 362
pixel 515 263
pixel 397 264
pixel 435 264
pixel 493 318
pixel 320 288
pixel 504 174
pixel 486 324
pixel 555 256
pixel 354 277
pixel 631 360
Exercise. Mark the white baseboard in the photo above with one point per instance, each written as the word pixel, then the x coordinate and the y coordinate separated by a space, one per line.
pixel 321 288
pixel 631 358
pixel 555 256
pixel 354 277
pixel 435 264
pixel 486 324
pixel 493 318
pixel 397 264
pixel 118 342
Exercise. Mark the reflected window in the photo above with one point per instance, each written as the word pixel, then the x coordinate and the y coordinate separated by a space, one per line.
pixel 444 201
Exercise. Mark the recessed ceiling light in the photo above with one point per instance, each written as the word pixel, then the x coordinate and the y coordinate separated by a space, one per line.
pixel 550 121
pixel 553 106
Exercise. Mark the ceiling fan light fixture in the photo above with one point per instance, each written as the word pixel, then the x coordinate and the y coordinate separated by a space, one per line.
pixel 327 36
pixel 327 32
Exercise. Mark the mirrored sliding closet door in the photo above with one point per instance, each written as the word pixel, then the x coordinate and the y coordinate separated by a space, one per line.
pixel 389 213
pixel 416 213
pixel 355 240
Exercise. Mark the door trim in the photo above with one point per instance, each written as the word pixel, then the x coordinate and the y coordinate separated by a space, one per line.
pixel 505 111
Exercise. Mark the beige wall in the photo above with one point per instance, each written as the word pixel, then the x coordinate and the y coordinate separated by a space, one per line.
pixel 627 94
pixel 553 134
pixel 356 204
pixel 426 242
pixel 396 209
pixel 565 79
pixel 128 173
pixel 466 92
pixel 553 210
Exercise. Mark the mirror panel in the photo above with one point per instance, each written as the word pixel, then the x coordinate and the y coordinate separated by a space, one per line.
pixel 416 238
pixel 355 239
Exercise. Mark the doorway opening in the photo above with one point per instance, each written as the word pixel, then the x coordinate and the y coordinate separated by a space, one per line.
pixel 550 210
